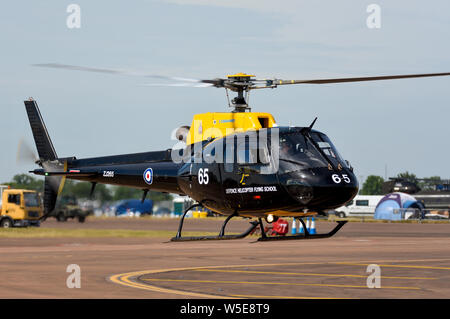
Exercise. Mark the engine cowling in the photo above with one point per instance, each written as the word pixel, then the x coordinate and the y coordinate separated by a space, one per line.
pixel 182 132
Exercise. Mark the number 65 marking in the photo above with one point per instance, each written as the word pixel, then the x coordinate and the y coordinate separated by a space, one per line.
pixel 203 177
pixel 337 179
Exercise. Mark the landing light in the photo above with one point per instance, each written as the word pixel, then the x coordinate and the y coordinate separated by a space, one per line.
pixel 270 218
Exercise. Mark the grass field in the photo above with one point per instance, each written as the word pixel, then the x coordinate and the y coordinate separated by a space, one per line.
pixel 54 232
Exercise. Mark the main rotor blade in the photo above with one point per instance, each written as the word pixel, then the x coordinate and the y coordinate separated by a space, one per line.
pixel 232 83
pixel 193 85
pixel 357 79
pixel 113 71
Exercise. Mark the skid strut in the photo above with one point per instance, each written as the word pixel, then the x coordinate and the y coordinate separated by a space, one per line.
pixel 221 235
pixel 306 235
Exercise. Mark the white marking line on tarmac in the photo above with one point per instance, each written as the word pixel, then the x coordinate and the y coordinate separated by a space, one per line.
pixel 308 274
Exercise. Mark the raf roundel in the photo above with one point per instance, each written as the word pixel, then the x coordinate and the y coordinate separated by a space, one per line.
pixel 148 176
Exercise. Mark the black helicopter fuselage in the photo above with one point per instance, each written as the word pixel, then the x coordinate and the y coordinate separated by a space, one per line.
pixel 294 170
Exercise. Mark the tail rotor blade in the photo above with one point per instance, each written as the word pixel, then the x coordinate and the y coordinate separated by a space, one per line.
pixel 25 153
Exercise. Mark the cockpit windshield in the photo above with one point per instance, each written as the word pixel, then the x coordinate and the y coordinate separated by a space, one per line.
pixel 298 150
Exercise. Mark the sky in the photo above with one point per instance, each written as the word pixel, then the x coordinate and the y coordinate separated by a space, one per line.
pixel 380 127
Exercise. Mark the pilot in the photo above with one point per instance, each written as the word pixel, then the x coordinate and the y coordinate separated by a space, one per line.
pixel 286 148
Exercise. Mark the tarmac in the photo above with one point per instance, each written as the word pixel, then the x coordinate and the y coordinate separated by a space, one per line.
pixel 413 262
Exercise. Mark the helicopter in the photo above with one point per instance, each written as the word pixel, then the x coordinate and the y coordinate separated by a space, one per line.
pixel 237 164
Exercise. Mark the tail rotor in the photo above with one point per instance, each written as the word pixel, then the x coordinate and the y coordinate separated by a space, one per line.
pixel 48 158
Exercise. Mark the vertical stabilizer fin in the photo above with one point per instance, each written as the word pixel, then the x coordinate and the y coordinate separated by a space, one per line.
pixel 43 142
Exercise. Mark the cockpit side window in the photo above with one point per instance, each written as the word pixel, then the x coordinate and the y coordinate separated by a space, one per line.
pixel 247 155
pixel 241 153
pixel 252 156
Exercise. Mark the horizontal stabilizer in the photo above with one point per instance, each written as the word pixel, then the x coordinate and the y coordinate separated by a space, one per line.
pixel 69 173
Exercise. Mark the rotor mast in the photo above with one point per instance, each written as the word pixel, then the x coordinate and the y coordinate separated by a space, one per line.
pixel 241 84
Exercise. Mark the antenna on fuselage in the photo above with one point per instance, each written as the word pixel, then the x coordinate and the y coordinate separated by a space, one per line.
pixel 309 128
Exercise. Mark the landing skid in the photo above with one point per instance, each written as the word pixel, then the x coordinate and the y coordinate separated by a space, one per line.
pixel 305 235
pixel 221 235
pixel 250 230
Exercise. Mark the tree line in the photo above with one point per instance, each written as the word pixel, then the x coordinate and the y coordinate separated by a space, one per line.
pixel 81 190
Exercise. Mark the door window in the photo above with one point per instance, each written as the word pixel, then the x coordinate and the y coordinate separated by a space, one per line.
pixel 14 199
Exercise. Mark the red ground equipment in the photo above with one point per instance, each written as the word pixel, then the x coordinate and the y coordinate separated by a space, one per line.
pixel 280 227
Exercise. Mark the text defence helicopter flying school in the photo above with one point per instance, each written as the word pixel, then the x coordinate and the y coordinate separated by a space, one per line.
pixel 238 163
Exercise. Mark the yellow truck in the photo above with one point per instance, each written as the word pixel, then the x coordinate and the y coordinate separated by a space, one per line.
pixel 19 207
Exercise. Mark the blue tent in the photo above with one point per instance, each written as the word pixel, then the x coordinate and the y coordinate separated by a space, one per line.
pixel 393 206
pixel 134 206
